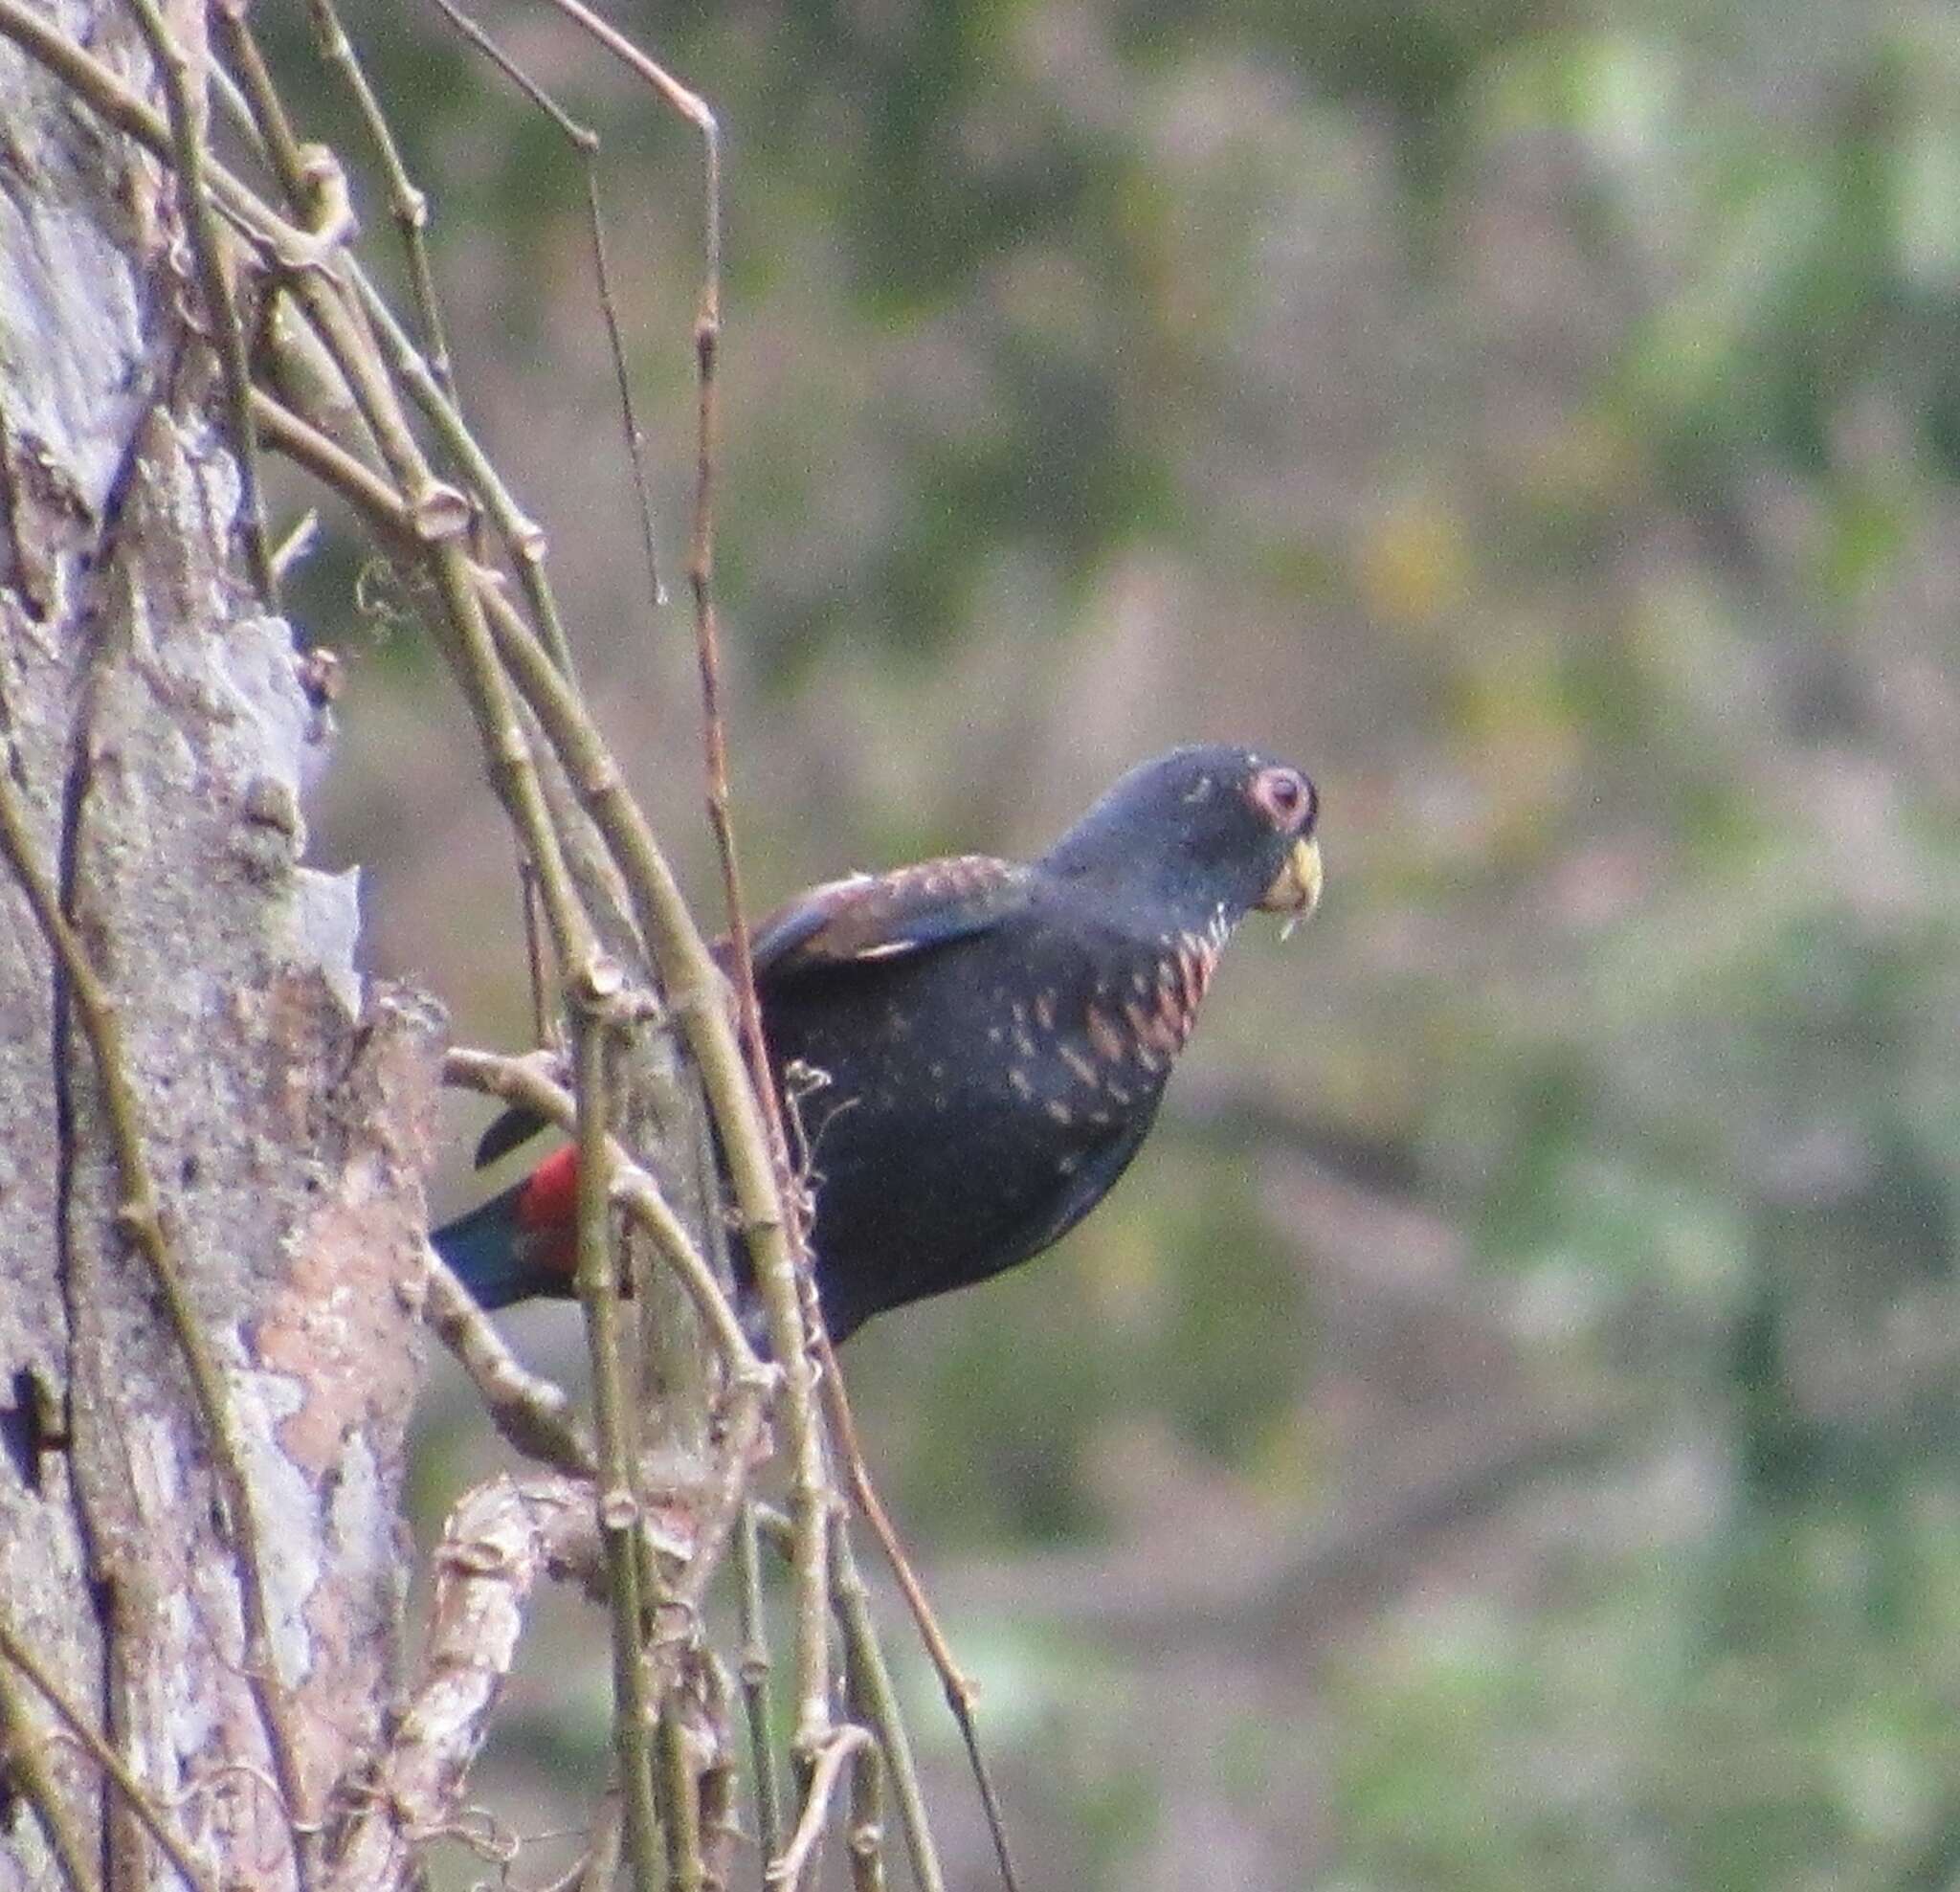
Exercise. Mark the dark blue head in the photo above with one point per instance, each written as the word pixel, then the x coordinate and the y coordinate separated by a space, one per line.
pixel 1199 832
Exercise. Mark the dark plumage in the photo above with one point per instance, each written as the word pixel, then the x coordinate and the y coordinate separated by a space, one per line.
pixel 974 1048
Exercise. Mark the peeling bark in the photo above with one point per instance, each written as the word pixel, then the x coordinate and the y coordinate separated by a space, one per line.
pixel 154 736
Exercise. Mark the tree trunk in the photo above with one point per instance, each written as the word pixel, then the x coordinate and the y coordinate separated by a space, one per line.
pixel 202 1412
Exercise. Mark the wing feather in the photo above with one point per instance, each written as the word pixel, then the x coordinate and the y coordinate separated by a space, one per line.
pixel 864 919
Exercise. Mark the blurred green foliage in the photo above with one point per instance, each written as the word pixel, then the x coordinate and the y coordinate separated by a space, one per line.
pixel 1544 424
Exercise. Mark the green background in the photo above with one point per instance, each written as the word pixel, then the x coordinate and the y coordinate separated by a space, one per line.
pixel 1502 1434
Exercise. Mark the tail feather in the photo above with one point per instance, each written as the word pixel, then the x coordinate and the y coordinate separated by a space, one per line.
pixel 495 1255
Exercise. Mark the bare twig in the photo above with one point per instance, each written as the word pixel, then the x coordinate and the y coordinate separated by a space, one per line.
pixel 635 440
pixel 787 1869
pixel 409 204
pixel 500 1541
pixel 277 138
pixel 531 1411
pixel 868 1700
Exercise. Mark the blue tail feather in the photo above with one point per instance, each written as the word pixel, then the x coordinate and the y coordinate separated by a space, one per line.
pixel 488 1251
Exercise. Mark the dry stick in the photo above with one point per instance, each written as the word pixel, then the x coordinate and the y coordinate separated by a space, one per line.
pixel 544 1018
pixel 865 1838
pixel 635 440
pixel 139 1219
pixel 189 125
pixel 840 1744
pixel 500 1542
pixel 960 1692
pixel 170 1842
pixel 619 1503
pixel 532 1413
pixel 753 1660
pixel 860 1629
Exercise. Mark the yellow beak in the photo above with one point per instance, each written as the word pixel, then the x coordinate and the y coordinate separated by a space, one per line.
pixel 1296 889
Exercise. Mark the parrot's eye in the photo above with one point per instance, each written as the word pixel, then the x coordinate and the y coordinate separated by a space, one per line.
pixel 1284 796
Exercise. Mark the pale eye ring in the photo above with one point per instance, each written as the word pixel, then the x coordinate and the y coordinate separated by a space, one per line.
pixel 1285 796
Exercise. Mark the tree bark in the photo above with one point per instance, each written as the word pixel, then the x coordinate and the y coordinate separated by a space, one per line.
pixel 209 1576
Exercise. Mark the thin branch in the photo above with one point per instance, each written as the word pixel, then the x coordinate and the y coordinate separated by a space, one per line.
pixel 532 1413
pixel 876 1701
pixel 524 538
pixel 757 1704
pixel 827 1767
pixel 864 1834
pixel 636 440
pixel 24 1759
pixel 584 141
pixel 275 134
pixel 545 1034
pixel 408 202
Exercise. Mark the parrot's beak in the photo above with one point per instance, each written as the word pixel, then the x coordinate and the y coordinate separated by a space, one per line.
pixel 1296 889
